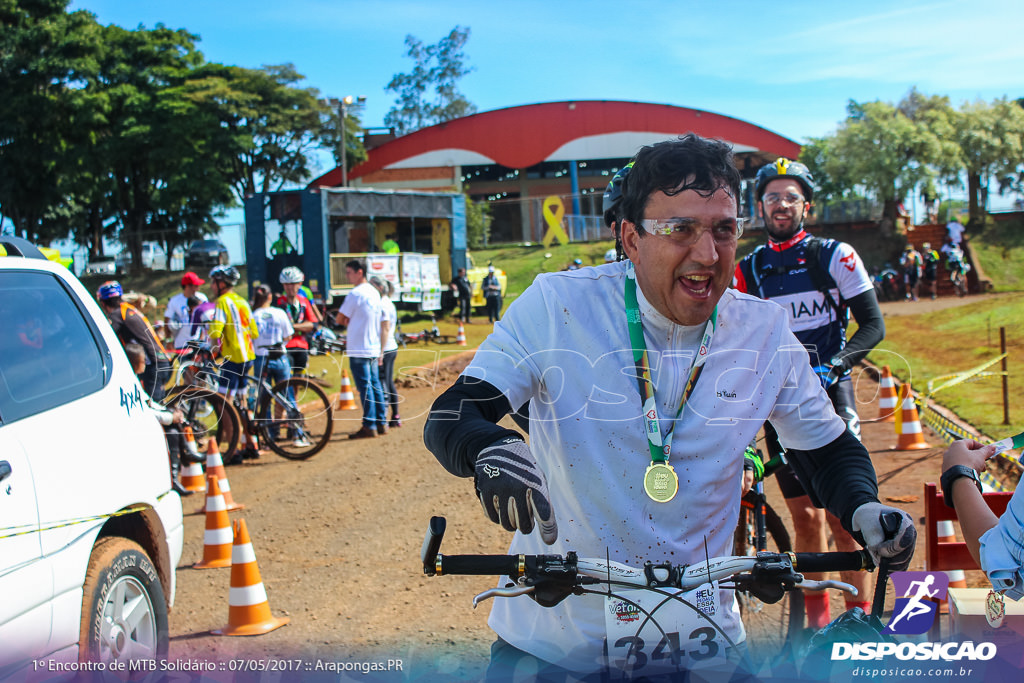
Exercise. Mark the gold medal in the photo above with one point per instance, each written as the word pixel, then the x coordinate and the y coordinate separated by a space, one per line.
pixel 661 482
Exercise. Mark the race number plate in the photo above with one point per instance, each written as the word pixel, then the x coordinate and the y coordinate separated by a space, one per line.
pixel 688 633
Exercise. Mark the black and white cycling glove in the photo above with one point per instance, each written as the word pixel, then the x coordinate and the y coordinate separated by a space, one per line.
pixel 887 533
pixel 513 490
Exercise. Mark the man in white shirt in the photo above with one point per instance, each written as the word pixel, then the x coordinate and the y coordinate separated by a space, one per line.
pixel 177 315
pixel 361 313
pixel 615 435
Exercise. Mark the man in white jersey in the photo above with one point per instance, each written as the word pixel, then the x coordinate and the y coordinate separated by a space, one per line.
pixel 177 316
pixel 598 431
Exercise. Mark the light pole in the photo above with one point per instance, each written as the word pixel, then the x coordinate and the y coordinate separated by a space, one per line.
pixel 343 105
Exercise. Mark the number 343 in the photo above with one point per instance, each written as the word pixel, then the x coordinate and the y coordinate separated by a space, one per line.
pixel 668 648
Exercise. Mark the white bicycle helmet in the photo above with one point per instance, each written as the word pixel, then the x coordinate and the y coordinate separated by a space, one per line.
pixel 291 275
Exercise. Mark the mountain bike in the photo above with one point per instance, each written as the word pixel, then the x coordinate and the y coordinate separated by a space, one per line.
pixel 958 276
pixel 293 418
pixel 778 627
pixel 208 412
pixel 549 579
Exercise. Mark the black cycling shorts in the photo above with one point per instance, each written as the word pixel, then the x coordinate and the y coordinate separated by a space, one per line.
pixel 844 401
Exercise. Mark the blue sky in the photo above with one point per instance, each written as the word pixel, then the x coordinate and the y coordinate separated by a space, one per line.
pixel 789 67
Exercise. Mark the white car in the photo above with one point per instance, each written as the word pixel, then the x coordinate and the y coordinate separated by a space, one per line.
pixel 90 530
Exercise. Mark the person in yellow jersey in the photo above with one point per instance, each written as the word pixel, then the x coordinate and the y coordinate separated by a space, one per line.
pixel 232 330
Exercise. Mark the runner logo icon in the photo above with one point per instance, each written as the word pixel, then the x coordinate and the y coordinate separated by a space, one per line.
pixel 914 612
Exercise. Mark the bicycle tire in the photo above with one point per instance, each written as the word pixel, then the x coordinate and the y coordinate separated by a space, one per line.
pixel 772 629
pixel 315 423
pixel 210 414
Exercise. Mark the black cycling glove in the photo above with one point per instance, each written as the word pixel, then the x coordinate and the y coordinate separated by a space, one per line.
pixel 513 490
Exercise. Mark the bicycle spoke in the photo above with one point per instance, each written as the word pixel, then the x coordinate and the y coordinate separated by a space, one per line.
pixel 295 418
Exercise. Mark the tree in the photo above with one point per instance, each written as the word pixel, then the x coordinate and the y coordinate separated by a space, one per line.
pixel 991 142
pixel 46 55
pixel 163 153
pixel 887 150
pixel 429 93
pixel 271 125
pixel 478 222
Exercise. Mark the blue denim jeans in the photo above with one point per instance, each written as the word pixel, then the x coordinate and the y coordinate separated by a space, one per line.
pixel 366 379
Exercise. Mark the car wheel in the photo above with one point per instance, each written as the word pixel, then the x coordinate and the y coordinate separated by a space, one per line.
pixel 124 613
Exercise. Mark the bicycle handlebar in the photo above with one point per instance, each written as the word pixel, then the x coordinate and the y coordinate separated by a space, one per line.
pixel 765 568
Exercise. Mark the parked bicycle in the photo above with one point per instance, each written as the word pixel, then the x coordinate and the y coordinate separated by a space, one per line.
pixel 293 418
pixel 549 579
pixel 208 412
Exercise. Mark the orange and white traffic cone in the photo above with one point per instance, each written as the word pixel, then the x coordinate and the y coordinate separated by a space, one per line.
pixel 887 399
pixel 909 435
pixel 346 399
pixel 215 466
pixel 190 442
pixel 192 477
pixel 460 338
pixel 217 537
pixel 957 579
pixel 248 609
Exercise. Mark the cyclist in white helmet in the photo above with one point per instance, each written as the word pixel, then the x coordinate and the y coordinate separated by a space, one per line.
pixel 302 316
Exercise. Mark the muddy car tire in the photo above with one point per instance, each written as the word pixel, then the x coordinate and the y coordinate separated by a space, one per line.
pixel 124 612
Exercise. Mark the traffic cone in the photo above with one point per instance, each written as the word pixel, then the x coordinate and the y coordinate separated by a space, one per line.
pixel 190 442
pixel 215 466
pixel 217 537
pixel 460 338
pixel 887 400
pixel 192 477
pixel 957 579
pixel 346 399
pixel 909 436
pixel 248 609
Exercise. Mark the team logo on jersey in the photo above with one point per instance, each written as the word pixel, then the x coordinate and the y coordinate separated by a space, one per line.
pixel 850 262
pixel 915 612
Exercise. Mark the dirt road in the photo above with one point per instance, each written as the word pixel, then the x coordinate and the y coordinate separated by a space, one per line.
pixel 337 540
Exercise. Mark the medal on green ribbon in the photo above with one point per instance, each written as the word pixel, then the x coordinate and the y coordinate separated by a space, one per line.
pixel 661 483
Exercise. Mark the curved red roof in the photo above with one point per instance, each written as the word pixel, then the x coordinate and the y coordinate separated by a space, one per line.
pixel 520 137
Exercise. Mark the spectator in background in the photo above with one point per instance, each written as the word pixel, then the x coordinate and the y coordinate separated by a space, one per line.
pixel 930 274
pixel 911 263
pixel 464 291
pixel 132 326
pixel 390 246
pixel 281 246
pixel 177 317
pixel 491 288
pixel 302 316
pixel 389 346
pixel 955 231
pixel 361 313
pixel 273 328
pixel 232 330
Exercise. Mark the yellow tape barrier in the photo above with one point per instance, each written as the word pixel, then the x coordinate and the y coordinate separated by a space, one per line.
pixel 12 531
pixel 957 378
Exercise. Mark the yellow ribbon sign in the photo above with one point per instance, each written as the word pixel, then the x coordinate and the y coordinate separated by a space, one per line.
pixel 554 211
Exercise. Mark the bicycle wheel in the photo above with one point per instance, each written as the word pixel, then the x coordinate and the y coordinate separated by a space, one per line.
pixel 295 419
pixel 210 415
pixel 772 629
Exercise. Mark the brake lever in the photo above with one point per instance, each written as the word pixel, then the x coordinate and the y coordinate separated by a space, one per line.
pixel 811 585
pixel 502 593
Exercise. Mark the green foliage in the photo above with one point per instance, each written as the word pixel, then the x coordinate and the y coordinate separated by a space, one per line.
pixel 478 222
pixel 108 132
pixel 991 142
pixel 429 93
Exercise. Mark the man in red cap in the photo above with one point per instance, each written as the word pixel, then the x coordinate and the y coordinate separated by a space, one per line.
pixel 176 318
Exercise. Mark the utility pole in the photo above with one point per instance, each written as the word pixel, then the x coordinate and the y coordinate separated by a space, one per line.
pixel 343 104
